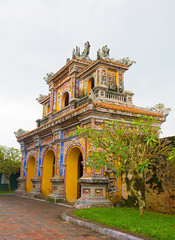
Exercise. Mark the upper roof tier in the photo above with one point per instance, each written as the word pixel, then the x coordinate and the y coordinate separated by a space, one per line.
pixel 84 82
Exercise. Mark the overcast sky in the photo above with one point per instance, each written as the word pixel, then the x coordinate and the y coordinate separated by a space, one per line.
pixel 37 36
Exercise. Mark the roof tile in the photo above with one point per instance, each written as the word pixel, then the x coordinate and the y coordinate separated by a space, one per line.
pixel 127 109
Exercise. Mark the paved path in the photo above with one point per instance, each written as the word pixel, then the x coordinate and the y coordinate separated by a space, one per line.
pixel 26 219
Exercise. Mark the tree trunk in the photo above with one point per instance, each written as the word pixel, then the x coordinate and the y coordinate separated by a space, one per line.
pixel 138 195
pixel 140 202
pixel 8 179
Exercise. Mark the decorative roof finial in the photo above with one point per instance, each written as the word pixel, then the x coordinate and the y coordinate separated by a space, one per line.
pixel 125 61
pixel 85 53
pixel 48 75
pixel 103 53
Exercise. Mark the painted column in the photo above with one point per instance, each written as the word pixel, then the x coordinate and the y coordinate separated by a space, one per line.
pixel 25 162
pixel 36 180
pixel 39 158
pixel 57 194
pixel 54 100
pixel 61 153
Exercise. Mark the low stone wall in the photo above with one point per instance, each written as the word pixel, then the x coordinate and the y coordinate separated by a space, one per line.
pixel 160 187
pixel 158 190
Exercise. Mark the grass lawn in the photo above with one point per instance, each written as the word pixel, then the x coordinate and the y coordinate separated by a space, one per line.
pixel 151 224
pixel 4 192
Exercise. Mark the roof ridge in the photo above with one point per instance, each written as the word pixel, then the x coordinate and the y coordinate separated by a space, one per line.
pixel 54 120
pixel 127 109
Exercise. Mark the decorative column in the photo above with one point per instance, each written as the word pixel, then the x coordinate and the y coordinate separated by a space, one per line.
pixel 100 91
pixel 36 180
pixel 93 192
pixel 57 181
pixel 57 194
pixel 21 186
pixel 36 188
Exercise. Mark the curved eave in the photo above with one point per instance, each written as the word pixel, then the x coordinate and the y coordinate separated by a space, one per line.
pixel 51 123
pixel 132 110
pixel 47 98
pixel 65 67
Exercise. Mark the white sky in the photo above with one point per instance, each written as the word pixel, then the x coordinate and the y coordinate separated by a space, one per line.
pixel 37 36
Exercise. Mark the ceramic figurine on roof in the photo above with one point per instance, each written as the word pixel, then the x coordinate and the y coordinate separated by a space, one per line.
pixel 82 93
pixel 85 53
pixel 76 53
pixel 103 53
pixel 125 61
pixel 20 132
pixel 48 75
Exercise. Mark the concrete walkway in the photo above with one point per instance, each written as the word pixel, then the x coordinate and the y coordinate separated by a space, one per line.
pixel 26 219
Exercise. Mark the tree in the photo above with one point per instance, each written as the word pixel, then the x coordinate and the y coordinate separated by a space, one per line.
pixel 133 147
pixel 9 162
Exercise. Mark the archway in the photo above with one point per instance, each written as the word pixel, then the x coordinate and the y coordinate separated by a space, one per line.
pixel 30 173
pixel 91 84
pixel 74 171
pixel 48 172
pixel 65 100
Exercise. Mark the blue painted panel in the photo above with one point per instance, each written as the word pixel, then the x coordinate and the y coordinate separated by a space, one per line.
pixel 61 134
pixel 25 163
pixel 39 142
pixel 77 88
pixel 39 161
pixel 24 147
pixel 61 158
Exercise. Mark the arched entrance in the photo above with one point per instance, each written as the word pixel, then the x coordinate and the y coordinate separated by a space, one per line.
pixel 74 171
pixel 30 173
pixel 48 172
pixel 91 84
pixel 65 100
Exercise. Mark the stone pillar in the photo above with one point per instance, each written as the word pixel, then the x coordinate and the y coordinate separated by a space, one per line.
pixel 100 91
pixel 57 194
pixel 72 103
pixel 36 188
pixel 129 96
pixel 93 192
pixel 21 186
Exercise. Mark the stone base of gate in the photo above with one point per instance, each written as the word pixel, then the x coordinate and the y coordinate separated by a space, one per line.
pixel 36 188
pixel 21 186
pixel 57 194
pixel 93 193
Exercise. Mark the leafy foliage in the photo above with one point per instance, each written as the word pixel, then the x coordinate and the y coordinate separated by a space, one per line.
pixel 9 162
pixel 134 147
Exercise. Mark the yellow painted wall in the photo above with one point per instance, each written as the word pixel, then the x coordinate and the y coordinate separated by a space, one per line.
pixel 72 174
pixel 117 78
pixel 63 99
pixel 44 110
pixel 47 172
pixel 30 173
pixel 58 100
pixel 89 84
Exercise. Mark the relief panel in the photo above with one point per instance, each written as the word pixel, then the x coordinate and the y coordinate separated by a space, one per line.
pixel 112 80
